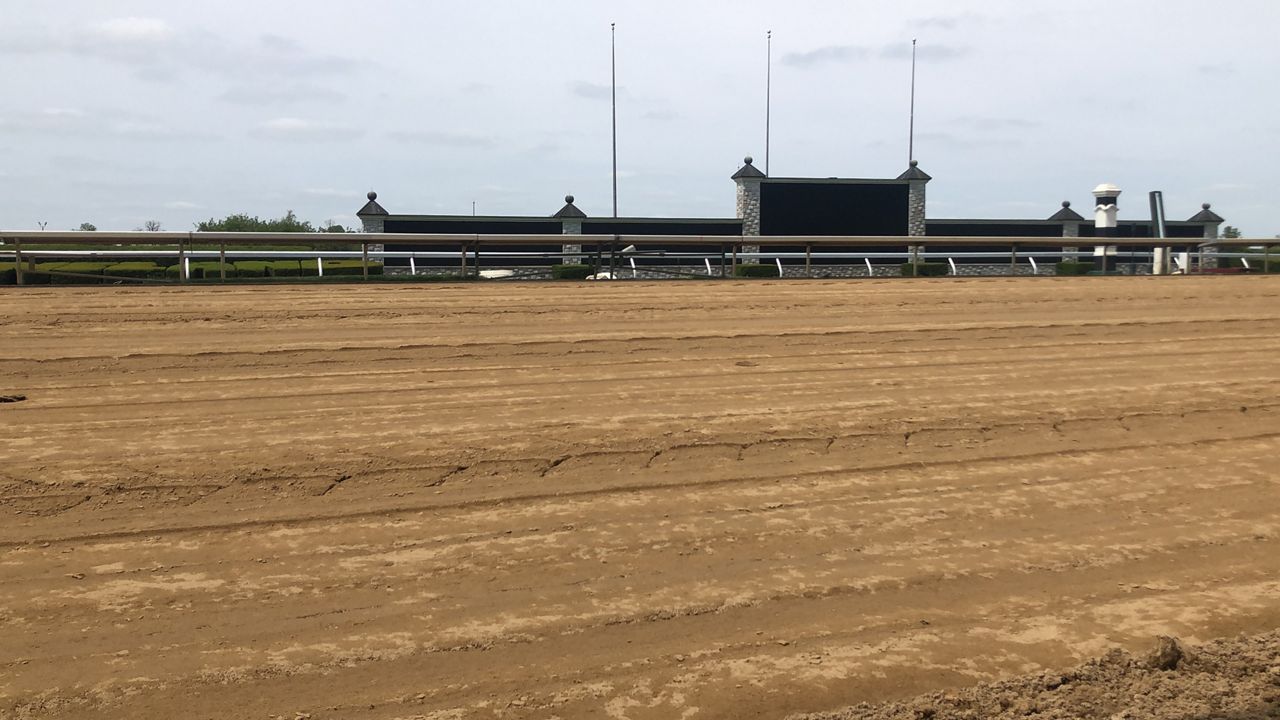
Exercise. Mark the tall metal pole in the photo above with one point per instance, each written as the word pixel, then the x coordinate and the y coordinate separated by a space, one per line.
pixel 911 130
pixel 768 94
pixel 613 57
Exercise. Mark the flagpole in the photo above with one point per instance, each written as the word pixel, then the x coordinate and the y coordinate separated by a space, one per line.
pixel 768 94
pixel 613 58
pixel 911 131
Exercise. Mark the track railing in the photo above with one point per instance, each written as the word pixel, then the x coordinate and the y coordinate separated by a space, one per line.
pixel 608 254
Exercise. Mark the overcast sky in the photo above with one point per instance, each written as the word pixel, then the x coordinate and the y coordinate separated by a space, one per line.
pixel 120 111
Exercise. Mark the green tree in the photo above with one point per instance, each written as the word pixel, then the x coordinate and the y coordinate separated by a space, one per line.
pixel 87 227
pixel 1230 233
pixel 242 222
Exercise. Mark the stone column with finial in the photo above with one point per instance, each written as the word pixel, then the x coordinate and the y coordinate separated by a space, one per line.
pixel 916 179
pixel 570 224
pixel 1070 220
pixel 749 179
pixel 1212 223
pixel 372 218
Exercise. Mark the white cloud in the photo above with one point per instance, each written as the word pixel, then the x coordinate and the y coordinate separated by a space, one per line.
pixel 182 205
pixel 135 29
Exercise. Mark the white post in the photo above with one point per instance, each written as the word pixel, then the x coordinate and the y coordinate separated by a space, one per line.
pixel 319 267
pixel 634 274
pixel 779 261
pixel 954 271
pixel 1104 221
pixel 413 266
pixel 186 268
pixel 870 272
pixel 1035 269
pixel 708 262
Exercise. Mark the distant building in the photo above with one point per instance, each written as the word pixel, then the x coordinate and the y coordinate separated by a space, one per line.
pixel 788 206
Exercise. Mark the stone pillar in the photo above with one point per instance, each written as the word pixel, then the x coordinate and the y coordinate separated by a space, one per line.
pixel 1212 229
pixel 371 219
pixel 1070 220
pixel 1104 222
pixel 749 180
pixel 570 224
pixel 916 179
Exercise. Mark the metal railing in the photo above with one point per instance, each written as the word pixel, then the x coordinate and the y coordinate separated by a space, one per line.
pixel 608 253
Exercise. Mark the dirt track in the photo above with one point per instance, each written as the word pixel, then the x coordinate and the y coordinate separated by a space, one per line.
pixel 663 500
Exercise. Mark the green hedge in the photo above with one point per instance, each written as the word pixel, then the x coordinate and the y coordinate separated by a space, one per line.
pixel 210 270
pixel 349 267
pixel 80 268
pixel 756 270
pixel 570 272
pixel 39 277
pixel 135 270
pixel 8 274
pixel 309 268
pixel 285 268
pixel 1256 262
pixel 252 268
pixel 1073 268
pixel 926 269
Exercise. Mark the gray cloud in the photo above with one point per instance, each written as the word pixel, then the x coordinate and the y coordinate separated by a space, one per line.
pixel 292 129
pixel 441 138
pixel 592 91
pixel 277 94
pixel 1216 69
pixel 156 49
pixel 949 22
pixel 977 122
pixel 831 53
pixel 925 52
pixel 857 53
pixel 76 122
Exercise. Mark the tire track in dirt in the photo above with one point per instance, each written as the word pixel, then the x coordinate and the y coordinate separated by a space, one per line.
pixel 632 500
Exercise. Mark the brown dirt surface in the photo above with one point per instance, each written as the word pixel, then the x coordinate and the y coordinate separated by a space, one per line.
pixel 740 499
pixel 1226 679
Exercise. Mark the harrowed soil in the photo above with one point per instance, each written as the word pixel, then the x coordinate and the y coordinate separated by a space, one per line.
pixel 938 498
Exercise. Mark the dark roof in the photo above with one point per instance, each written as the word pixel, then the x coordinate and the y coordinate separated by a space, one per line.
pixel 833 181
pixel 747 170
pixel 1066 214
pixel 915 173
pixel 1205 215
pixel 569 210
pixel 372 207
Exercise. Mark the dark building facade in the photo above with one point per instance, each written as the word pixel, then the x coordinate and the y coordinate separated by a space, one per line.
pixel 784 206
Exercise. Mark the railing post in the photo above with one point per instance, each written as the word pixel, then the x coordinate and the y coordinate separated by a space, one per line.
pixel 808 255
pixel 477 262
pixel 1013 259
pixel 17 261
pixel 183 270
pixel 222 260
pixel 364 259
pixel 915 261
